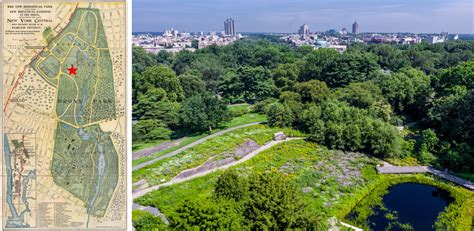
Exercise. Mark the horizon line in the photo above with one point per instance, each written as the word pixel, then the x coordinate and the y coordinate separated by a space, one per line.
pixel 261 32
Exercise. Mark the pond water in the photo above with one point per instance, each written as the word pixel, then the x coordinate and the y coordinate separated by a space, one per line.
pixel 408 206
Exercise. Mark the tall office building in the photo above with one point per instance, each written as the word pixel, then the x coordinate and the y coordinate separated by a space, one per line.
pixel 229 27
pixel 304 30
pixel 355 27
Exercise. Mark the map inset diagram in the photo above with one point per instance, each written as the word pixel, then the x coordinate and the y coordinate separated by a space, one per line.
pixel 64 128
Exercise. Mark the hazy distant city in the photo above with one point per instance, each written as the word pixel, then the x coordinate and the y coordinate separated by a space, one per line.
pixel 173 40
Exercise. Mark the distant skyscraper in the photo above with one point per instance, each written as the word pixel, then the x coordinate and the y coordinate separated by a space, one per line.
pixel 355 26
pixel 304 30
pixel 229 27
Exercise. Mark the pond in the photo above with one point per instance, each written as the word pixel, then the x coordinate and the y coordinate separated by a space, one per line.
pixel 406 206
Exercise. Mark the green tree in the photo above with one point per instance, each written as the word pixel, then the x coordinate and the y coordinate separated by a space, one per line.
pixel 314 124
pixel 352 66
pixel 424 60
pixel 407 90
pixel 231 86
pixel 159 76
pixel 361 95
pixel 183 61
pixel 390 57
pixel 293 100
pixel 150 130
pixel 274 202
pixel 155 105
pixel 383 139
pixel 460 75
pixel 191 84
pixel 231 186
pixel 141 59
pixel 165 58
pixel 280 115
pixel 256 83
pixel 210 69
pixel 201 112
pixel 145 221
pixel 454 116
pixel 339 126
pixel 195 43
pixel 268 57
pixel 429 141
pixel 207 215
pixel 285 76
pixel 352 136
pixel 334 135
pixel 315 62
pixel 313 91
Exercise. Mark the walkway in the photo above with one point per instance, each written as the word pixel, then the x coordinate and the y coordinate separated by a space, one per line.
pixel 402 169
pixel 179 180
pixel 158 148
pixel 425 169
pixel 177 151
pixel 154 211
pixel 350 226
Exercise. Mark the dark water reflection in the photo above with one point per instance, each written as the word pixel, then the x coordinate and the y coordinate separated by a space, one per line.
pixel 409 203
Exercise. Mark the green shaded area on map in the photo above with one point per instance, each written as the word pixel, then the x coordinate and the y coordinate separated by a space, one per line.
pixel 87 97
pixel 85 161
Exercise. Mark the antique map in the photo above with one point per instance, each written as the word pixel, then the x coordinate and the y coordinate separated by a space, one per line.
pixel 64 162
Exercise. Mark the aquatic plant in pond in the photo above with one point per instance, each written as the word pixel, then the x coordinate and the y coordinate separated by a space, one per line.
pixel 405 206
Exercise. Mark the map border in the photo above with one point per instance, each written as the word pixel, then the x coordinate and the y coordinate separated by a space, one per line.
pixel 1 103
pixel 127 86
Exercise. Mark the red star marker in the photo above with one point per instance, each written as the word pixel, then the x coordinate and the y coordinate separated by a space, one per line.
pixel 72 70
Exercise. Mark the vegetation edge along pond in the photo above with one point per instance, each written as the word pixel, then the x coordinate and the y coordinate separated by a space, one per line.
pixel 458 215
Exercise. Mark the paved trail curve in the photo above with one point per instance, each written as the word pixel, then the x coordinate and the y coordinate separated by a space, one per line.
pixel 177 151
pixel 245 158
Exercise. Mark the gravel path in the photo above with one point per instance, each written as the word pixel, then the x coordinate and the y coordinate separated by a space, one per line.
pixel 425 169
pixel 158 148
pixel 179 180
pixel 176 152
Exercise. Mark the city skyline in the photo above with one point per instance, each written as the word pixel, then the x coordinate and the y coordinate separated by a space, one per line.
pixel 418 16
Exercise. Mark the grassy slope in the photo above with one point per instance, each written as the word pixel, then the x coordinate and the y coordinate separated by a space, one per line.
pixel 299 159
pixel 326 193
pixel 236 121
pixel 137 146
pixel 197 155
pixel 187 140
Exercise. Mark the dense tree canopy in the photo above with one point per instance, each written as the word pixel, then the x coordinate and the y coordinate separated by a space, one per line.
pixel 351 100
pixel 265 201
pixel 352 66
pixel 201 112
pixel 407 90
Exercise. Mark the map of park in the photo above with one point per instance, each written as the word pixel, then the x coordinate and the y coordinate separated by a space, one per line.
pixel 69 102
pixel 87 96
pixel 84 160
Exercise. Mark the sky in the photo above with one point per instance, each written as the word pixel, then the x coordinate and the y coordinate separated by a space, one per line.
pixel 420 16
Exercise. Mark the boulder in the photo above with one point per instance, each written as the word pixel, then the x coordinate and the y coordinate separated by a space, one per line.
pixel 279 136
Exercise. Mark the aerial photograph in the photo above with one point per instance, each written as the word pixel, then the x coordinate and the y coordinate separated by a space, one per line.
pixel 303 115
